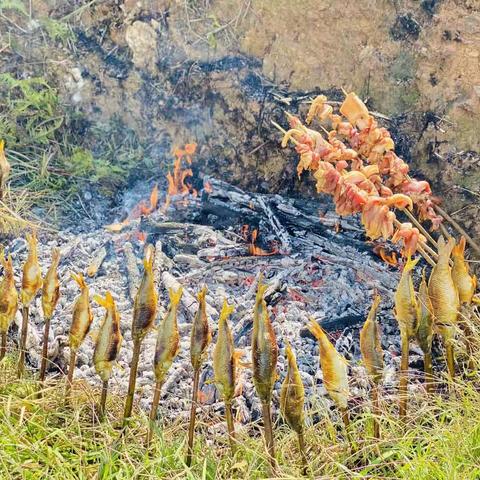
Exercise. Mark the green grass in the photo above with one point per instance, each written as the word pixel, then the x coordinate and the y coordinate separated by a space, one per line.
pixel 42 438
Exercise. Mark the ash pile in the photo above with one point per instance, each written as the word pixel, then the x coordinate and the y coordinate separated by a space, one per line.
pixel 316 263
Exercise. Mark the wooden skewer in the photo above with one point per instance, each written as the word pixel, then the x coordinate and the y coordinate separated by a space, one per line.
pixel 458 228
pixel 414 220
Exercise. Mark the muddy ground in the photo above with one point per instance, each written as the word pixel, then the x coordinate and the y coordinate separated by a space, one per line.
pixel 217 72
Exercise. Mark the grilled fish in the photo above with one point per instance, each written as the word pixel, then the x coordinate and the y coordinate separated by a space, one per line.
pixel 292 394
pixel 201 336
pixel 407 310
pixel 334 367
pixel 442 290
pixel 264 347
pixel 370 345
pixel 32 274
pixel 465 283
pixel 82 314
pixel 145 306
pixel 168 338
pixel 51 286
pixel 8 294
pixel 224 356
pixel 109 338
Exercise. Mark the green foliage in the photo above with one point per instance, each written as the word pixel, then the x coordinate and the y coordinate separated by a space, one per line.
pixel 30 113
pixel 41 438
pixel 57 30
pixel 15 5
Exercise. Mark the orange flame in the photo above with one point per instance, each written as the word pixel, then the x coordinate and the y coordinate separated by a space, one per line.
pixel 141 209
pixel 254 249
pixel 390 258
pixel 176 178
pixel 208 187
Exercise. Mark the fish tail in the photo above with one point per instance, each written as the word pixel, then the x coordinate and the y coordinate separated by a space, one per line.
pixel 79 278
pixel 459 248
pixel 56 256
pixel 376 301
pixel 261 288
pixel 149 258
pixel 175 296
pixel 227 310
pixel 202 293
pixel 106 302
pixel 410 265
pixel 290 355
pixel 316 330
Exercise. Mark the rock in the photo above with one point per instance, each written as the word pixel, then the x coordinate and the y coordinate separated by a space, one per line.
pixel 141 37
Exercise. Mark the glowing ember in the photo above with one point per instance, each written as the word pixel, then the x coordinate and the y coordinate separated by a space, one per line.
pixel 208 187
pixel 252 248
pixel 390 258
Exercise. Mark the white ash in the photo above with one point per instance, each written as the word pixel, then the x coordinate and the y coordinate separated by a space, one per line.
pixel 325 281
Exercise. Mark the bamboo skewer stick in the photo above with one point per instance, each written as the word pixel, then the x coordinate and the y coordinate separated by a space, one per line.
pixel 230 426
pixel 3 347
pixel 458 228
pixel 193 411
pixel 153 411
pixel 427 368
pixel 71 369
pixel 43 365
pixel 376 411
pixel 132 380
pixel 445 232
pixel 403 376
pixel 268 427
pixel 103 401
pixel 23 342
pixel 346 423
pixel 303 452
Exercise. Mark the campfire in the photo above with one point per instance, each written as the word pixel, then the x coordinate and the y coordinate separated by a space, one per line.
pixel 299 270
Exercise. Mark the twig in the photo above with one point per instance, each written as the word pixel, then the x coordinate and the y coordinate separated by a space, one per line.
pixel 23 342
pixel 103 401
pixel 403 385
pixel 458 228
pixel 43 366
pixel 153 411
pixel 193 411
pixel 267 422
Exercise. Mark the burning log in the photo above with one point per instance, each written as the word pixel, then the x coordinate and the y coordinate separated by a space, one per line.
pixel 31 284
pixel 50 296
pixel 98 258
pixel 8 300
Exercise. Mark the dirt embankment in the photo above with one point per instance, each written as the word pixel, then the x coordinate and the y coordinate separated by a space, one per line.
pixel 175 71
